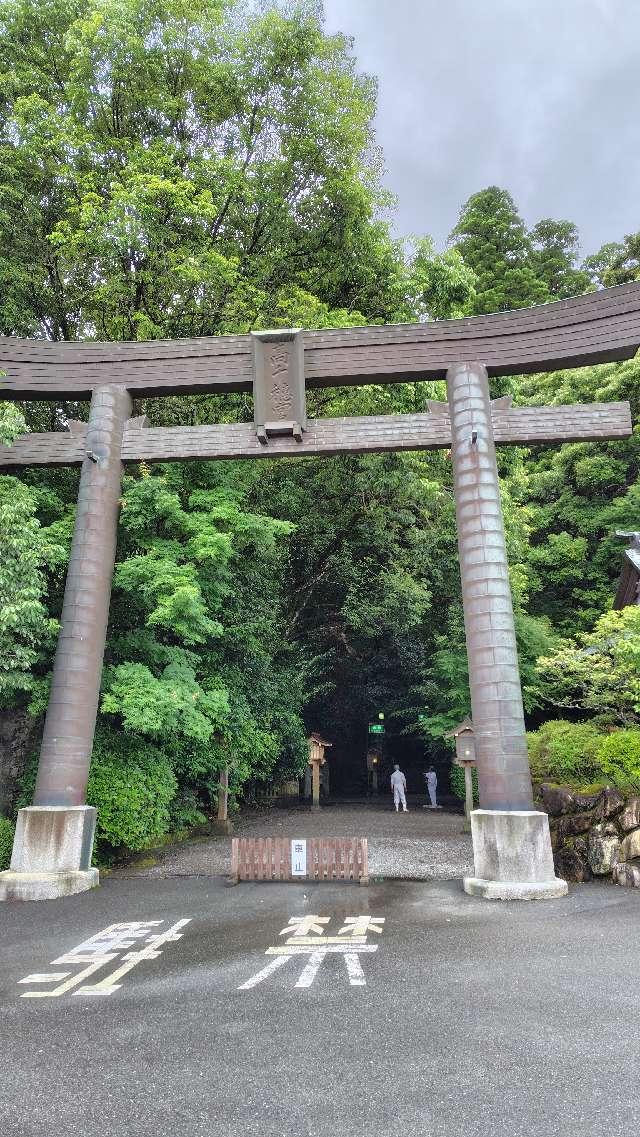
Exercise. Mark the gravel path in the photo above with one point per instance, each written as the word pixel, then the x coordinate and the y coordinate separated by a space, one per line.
pixel 421 844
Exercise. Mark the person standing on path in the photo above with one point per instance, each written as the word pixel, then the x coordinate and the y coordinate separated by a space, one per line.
pixel 399 786
pixel 432 785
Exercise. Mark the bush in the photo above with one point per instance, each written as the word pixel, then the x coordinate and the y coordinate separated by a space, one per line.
pixel 132 786
pixel 564 751
pixel 456 782
pixel 618 756
pixel 6 842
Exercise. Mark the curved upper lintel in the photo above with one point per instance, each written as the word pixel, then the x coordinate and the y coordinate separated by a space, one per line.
pixel 598 327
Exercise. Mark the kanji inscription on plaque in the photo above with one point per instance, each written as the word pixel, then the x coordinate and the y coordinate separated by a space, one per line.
pixel 278 384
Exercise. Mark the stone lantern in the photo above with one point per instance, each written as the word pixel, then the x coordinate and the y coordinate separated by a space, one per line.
pixel 465 757
pixel 317 746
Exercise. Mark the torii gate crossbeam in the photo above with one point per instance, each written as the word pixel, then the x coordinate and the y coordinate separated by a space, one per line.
pixel 52 850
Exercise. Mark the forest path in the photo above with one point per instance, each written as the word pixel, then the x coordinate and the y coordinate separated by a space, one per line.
pixel 422 844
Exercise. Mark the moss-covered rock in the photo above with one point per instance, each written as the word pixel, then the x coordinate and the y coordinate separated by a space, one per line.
pixel 603 849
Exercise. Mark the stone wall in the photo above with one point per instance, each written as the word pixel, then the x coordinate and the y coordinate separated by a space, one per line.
pixel 594 835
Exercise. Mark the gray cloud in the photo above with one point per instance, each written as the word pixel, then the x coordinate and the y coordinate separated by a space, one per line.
pixel 539 96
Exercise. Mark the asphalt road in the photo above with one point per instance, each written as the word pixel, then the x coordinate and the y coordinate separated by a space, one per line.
pixel 476 1017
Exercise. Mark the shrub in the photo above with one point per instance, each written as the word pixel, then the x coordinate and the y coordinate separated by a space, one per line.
pixel 132 786
pixel 456 782
pixel 6 842
pixel 618 756
pixel 564 751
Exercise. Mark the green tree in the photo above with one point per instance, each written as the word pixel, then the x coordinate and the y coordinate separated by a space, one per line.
pixel 175 169
pixel 577 495
pixel 193 661
pixel 492 239
pixel 25 626
pixel 597 265
pixel 12 424
pixel 624 266
pixel 599 671
pixel 441 285
pixel 555 249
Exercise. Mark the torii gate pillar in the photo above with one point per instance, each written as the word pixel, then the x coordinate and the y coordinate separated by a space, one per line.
pixel 511 841
pixel 54 836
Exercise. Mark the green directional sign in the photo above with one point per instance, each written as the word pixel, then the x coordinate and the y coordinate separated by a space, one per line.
pixel 376 728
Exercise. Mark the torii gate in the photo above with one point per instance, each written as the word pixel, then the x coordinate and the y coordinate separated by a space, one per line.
pixel 512 850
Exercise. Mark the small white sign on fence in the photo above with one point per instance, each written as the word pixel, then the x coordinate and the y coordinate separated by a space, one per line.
pixel 298 858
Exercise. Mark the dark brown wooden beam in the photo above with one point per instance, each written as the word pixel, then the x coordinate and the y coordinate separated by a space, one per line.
pixel 595 328
pixel 516 426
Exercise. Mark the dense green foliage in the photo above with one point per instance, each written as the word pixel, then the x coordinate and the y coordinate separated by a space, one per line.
pixel 562 751
pixel 600 670
pixel 456 783
pixel 133 785
pixel 6 842
pixel 25 628
pixel 174 169
pixel 618 757
pixel 581 754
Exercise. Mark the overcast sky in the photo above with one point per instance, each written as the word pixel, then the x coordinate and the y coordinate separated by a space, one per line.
pixel 539 96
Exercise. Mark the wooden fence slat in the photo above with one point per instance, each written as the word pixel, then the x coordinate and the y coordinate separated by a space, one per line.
pixel 328 858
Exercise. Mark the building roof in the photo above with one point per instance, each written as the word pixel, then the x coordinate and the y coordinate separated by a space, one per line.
pixel 466 724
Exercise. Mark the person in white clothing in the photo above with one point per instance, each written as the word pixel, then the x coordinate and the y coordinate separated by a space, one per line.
pixel 432 785
pixel 399 786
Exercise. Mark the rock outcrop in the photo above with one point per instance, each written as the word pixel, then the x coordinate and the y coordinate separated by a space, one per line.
pixel 627 873
pixel 630 847
pixel 630 816
pixel 603 849
pixel 594 834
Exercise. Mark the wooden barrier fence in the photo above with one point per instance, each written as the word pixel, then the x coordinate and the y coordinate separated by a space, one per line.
pixel 327 858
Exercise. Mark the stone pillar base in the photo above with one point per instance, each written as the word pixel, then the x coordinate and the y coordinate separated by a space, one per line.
pixel 53 838
pixel 512 856
pixel 51 853
pixel 45 885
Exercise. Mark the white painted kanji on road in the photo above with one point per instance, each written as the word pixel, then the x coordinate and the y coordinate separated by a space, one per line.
pixel 306 938
pixel 105 947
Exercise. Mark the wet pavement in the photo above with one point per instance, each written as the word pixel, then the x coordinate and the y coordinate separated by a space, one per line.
pixel 469 1017
pixel 422 844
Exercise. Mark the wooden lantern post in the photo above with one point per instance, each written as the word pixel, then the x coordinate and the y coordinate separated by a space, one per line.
pixel 317 746
pixel 465 757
